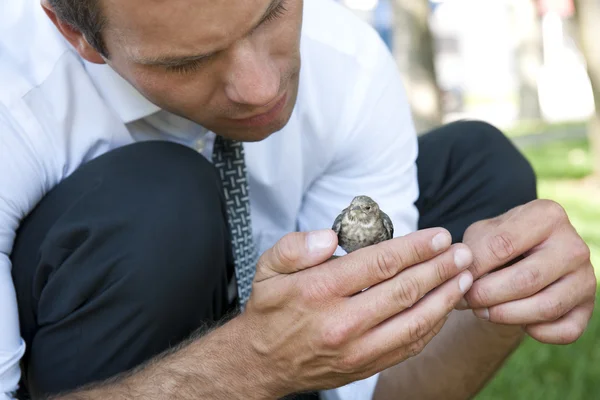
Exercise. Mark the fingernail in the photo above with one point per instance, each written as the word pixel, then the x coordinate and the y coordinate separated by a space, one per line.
pixel 482 313
pixel 441 241
pixel 319 240
pixel 462 258
pixel 465 282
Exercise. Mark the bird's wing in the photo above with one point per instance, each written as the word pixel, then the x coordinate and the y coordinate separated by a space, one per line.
pixel 387 224
pixel 337 224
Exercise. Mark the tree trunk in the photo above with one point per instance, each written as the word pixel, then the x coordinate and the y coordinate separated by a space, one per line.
pixel 414 52
pixel 588 18
pixel 529 56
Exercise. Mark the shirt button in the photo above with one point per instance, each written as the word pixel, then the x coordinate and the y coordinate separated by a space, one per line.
pixel 199 145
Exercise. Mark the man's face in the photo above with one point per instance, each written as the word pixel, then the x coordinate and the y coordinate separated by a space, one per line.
pixel 230 65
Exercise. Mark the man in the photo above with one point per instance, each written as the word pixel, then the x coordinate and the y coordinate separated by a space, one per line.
pixel 126 238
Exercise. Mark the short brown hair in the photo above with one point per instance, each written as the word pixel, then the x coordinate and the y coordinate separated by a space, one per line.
pixel 86 16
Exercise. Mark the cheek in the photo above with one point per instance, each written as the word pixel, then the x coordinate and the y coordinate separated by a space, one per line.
pixel 282 39
pixel 288 39
pixel 175 92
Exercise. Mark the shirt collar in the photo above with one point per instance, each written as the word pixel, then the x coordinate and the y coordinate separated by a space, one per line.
pixel 129 104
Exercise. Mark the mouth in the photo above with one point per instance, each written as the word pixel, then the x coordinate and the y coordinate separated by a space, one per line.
pixel 266 117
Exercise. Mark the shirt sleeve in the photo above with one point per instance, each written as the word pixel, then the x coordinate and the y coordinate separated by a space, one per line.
pixel 21 186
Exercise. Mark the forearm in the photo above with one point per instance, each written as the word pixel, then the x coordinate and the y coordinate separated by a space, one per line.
pixel 219 365
pixel 455 365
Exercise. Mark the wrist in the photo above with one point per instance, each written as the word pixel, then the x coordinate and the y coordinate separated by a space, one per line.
pixel 255 373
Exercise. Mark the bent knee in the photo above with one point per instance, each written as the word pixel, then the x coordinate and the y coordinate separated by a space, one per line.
pixel 508 171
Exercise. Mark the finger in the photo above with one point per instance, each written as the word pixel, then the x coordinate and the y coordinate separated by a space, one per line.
pixel 296 251
pixel 413 350
pixel 548 305
pixel 565 330
pixel 370 364
pixel 393 296
pixel 514 234
pixel 348 275
pixel 413 324
pixel 521 280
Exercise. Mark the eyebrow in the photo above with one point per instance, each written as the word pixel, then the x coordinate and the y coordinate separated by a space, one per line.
pixel 169 61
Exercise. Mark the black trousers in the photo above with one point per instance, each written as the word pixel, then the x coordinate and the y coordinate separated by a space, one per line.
pixel 130 255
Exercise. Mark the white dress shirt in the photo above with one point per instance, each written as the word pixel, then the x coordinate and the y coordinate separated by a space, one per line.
pixel 350 133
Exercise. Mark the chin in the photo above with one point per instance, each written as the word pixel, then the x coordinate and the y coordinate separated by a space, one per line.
pixel 253 134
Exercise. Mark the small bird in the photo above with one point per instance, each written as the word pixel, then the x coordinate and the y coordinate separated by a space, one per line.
pixel 362 224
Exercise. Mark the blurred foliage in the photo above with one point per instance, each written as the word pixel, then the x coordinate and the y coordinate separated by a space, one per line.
pixel 543 372
pixel 534 127
pixel 560 161
pixel 539 371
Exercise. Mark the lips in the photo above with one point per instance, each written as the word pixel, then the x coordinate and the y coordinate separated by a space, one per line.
pixel 266 117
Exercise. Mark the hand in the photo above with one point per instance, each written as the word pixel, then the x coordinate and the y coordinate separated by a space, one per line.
pixel 314 327
pixel 550 287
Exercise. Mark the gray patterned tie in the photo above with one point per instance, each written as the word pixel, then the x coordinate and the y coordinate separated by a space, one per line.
pixel 228 159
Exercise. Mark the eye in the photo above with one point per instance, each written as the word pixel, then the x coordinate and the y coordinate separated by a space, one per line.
pixel 368 208
pixel 277 12
pixel 187 68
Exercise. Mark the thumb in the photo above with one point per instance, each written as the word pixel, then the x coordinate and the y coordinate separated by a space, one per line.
pixel 296 251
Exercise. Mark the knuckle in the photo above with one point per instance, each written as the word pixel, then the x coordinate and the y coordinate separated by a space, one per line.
pixel 414 349
pixel 386 265
pixel 592 282
pixel 446 268
pixel 551 309
pixel 416 251
pixel 479 296
pixel 498 314
pixel 501 246
pixel 476 226
pixel 259 301
pixel 418 328
pixel 441 272
pixel 407 292
pixel 335 335
pixel 581 251
pixel 317 291
pixel 552 210
pixel 528 279
pixel 262 263
pixel 474 229
pixel 451 300
pixel 286 253
pixel 351 362
pixel 478 268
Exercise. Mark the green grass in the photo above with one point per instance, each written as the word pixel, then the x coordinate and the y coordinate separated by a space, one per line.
pixel 539 371
pixel 523 128
pixel 559 161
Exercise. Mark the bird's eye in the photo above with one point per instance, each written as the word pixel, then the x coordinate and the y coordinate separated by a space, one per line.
pixel 368 208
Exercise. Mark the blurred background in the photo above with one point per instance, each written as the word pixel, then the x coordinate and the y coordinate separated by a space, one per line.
pixel 532 68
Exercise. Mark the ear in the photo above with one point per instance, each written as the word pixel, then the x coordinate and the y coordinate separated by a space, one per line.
pixel 73 36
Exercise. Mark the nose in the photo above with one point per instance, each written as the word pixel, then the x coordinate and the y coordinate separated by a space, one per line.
pixel 252 77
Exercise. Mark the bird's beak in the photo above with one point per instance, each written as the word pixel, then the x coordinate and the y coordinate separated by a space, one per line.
pixel 354 208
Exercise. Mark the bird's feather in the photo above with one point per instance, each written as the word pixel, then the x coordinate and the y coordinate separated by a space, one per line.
pixel 387 223
pixel 337 224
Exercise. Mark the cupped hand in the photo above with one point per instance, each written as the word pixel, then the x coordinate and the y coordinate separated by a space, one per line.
pixel 315 327
pixel 532 269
